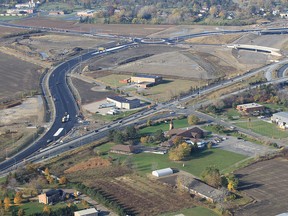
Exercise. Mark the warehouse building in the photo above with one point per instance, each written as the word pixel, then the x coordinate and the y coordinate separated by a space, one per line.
pixel 250 107
pixel 281 119
pixel 143 78
pixel 124 103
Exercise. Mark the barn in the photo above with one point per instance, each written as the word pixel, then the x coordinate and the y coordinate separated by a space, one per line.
pixel 162 172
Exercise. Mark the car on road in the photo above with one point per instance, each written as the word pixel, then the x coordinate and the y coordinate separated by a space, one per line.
pixel 49 141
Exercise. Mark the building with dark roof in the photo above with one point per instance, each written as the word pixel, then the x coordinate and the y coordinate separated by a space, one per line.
pixel 250 107
pixel 123 149
pixel 192 133
pixel 124 103
pixel 51 196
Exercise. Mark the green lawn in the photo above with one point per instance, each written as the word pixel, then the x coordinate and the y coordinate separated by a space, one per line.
pixel 263 128
pixel 196 211
pixel 35 207
pixel 115 117
pixel 105 147
pixel 113 80
pixel 55 6
pixel 178 123
pixel 145 162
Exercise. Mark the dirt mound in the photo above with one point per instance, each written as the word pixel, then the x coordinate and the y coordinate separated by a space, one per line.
pixel 90 164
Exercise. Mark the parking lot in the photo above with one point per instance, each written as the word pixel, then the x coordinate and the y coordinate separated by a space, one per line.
pixel 243 147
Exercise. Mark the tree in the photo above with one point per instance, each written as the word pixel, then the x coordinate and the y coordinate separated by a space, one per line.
pixel 50 179
pixel 144 139
pixel 159 136
pixel 211 175
pixel 46 171
pixel 177 140
pixel 18 198
pixel 1 203
pixel 180 152
pixel 85 203
pixel 193 119
pixel 21 212
pixel 7 203
pixel 149 123
pixel 118 137
pixel 232 182
pixel 183 182
pixel 63 180
pixel 46 209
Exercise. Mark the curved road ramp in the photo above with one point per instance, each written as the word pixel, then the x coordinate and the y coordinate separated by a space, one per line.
pixel 254 48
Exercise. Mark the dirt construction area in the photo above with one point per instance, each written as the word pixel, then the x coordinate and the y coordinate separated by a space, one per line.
pixel 17 77
pixel 266 182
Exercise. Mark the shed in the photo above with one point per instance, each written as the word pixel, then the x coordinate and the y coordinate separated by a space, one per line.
pixel 162 172
pixel 87 212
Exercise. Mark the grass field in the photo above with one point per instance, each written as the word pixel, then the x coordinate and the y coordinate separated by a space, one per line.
pixel 263 128
pixel 113 80
pixel 181 123
pixel 36 207
pixel 197 211
pixel 145 162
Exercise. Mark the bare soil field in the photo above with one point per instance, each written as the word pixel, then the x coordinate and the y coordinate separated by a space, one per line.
pixel 215 39
pixel 87 92
pixel 275 41
pixel 14 123
pixel 7 31
pixel 266 182
pixel 114 29
pixel 55 47
pixel 17 77
pixel 179 30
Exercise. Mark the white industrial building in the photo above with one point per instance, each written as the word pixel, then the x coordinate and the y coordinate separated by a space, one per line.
pixel 162 172
pixel 281 119
pixel 87 212
pixel 124 103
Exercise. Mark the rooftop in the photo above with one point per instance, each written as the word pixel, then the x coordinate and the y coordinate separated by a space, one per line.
pixel 250 105
pixel 146 76
pixel 87 211
pixel 281 114
pixel 119 99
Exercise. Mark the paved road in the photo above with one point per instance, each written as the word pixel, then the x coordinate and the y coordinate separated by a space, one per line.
pixel 64 103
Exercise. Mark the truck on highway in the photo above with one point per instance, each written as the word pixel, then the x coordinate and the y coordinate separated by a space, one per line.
pixel 101 49
pixel 65 118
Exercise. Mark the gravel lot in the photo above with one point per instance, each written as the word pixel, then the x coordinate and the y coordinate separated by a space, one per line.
pixel 243 147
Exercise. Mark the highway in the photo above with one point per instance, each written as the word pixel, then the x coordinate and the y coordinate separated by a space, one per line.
pixel 64 102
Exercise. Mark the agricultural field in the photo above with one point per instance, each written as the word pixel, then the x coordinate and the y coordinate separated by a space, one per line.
pixel 4 31
pixel 17 77
pixel 266 182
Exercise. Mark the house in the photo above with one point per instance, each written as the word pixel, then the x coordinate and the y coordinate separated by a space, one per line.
pixel 281 119
pixel 250 107
pixel 123 103
pixel 87 212
pixel 51 196
pixel 284 15
pixel 162 172
pixel 140 78
pixel 201 189
pixel 123 149
pixel 192 133
pixel 86 13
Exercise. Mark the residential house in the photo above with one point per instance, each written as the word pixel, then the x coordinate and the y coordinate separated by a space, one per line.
pixel 189 133
pixel 123 149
